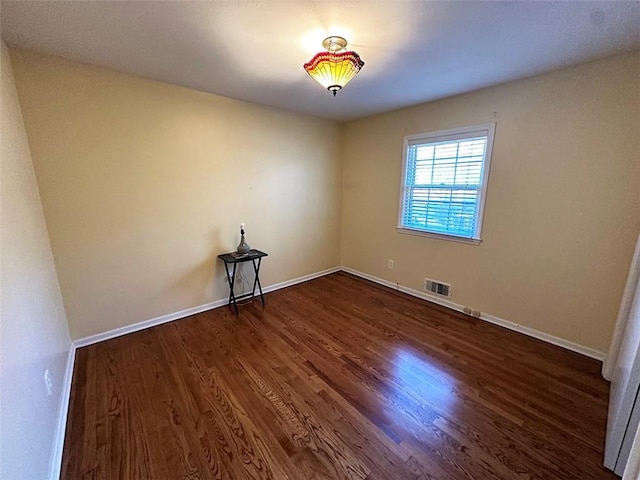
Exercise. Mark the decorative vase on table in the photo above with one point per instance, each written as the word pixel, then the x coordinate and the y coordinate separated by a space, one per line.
pixel 243 246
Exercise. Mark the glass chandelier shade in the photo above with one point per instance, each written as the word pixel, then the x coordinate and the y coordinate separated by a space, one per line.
pixel 334 68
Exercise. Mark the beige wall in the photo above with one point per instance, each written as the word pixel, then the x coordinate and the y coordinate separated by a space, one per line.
pixel 33 328
pixel 144 183
pixel 563 203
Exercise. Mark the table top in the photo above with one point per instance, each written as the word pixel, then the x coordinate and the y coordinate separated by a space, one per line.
pixel 235 257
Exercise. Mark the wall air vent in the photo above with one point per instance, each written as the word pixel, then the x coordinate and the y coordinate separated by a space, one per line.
pixel 437 288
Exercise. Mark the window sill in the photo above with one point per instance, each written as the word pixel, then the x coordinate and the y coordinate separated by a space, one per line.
pixel 440 236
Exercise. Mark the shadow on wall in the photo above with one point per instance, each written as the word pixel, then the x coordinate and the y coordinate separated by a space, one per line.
pixel 205 281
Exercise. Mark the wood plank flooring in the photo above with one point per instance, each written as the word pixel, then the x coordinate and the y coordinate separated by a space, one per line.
pixel 336 378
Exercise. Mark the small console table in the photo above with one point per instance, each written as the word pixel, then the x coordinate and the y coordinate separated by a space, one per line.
pixel 233 258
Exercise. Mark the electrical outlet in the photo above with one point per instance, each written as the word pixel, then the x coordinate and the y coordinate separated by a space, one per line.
pixel 476 313
pixel 47 382
pixel 467 310
pixel 390 264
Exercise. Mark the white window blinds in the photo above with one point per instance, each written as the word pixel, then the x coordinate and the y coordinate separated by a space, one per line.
pixel 444 181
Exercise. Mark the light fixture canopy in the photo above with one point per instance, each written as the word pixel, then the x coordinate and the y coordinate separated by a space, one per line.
pixel 334 68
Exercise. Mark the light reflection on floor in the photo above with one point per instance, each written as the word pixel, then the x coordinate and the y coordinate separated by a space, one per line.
pixel 423 382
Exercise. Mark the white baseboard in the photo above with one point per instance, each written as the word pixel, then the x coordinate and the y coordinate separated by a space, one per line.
pixel 561 342
pixel 100 337
pixel 135 327
pixel 56 456
pixel 304 278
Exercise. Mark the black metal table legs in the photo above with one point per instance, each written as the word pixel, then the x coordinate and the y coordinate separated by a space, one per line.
pixel 231 279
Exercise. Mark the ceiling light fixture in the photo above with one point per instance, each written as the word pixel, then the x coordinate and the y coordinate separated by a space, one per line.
pixel 334 68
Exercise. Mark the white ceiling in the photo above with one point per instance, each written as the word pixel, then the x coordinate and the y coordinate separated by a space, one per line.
pixel 414 51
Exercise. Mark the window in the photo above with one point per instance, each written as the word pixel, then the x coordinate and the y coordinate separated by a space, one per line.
pixel 444 182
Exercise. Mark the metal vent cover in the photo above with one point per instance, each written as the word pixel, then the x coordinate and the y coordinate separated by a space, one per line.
pixel 437 288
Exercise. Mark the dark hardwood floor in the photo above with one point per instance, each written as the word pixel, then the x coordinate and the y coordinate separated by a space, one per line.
pixel 335 378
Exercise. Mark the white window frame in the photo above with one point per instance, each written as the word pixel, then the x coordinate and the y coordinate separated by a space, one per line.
pixel 487 129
